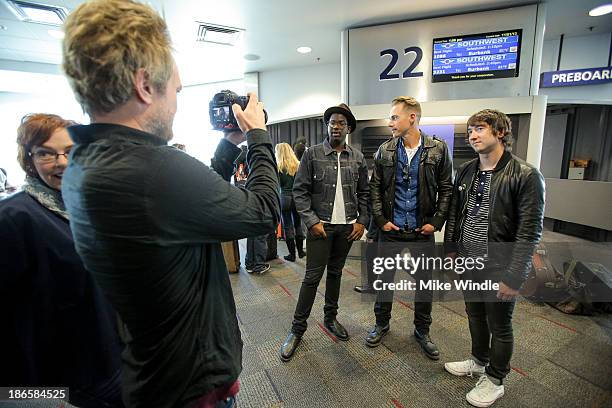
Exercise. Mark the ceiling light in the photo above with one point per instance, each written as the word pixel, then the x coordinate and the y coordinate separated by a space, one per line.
pixel 56 34
pixel 217 34
pixel 601 10
pixel 304 50
pixel 38 13
pixel 251 57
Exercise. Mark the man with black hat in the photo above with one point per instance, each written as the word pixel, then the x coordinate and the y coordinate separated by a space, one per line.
pixel 331 194
pixel 410 189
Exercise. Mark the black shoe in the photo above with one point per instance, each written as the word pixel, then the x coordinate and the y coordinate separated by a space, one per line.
pixel 337 329
pixel 428 346
pixel 289 346
pixel 290 257
pixel 375 335
pixel 261 269
pixel 363 289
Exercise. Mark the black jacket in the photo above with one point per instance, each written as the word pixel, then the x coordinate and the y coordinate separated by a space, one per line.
pixel 148 220
pixel 435 182
pixel 56 325
pixel 314 188
pixel 223 160
pixel 516 210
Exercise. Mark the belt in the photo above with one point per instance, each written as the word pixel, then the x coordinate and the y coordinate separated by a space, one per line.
pixel 408 231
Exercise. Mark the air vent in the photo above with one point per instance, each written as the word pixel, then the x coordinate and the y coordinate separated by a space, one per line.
pixel 38 13
pixel 217 34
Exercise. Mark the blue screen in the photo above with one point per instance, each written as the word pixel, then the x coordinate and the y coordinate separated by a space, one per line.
pixel 476 56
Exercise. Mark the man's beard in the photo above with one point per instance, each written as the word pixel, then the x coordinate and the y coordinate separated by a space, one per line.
pixel 160 127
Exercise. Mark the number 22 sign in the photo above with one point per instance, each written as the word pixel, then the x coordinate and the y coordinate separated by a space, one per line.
pixel 408 72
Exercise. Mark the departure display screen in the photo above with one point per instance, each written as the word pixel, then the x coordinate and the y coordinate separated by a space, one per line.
pixel 476 56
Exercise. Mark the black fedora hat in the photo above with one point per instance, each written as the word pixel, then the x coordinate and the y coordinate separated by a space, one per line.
pixel 342 109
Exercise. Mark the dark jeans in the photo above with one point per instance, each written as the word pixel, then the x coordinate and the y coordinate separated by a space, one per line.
pixel 330 252
pixel 492 337
pixel 422 304
pixel 292 223
pixel 257 247
pixel 103 395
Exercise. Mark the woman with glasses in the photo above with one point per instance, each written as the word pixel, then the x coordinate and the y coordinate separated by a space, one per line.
pixel 58 329
pixel 287 167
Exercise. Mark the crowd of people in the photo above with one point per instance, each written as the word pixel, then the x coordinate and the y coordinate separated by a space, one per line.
pixel 104 242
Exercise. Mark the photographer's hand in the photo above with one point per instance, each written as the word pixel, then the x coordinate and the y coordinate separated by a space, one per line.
pixel 252 117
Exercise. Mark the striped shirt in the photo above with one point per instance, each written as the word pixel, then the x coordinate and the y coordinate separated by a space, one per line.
pixel 476 225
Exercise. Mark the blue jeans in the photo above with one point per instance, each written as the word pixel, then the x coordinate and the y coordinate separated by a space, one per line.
pixel 292 223
pixel 228 403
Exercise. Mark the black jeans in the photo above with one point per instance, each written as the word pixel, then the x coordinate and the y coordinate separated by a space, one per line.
pixel 292 223
pixel 422 304
pixel 491 330
pixel 257 247
pixel 330 252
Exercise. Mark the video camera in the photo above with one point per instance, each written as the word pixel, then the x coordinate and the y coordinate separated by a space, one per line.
pixel 220 110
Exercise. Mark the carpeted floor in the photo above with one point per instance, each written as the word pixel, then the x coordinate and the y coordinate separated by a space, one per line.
pixel 559 360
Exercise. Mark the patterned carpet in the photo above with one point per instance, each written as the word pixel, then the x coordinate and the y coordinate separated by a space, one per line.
pixel 559 360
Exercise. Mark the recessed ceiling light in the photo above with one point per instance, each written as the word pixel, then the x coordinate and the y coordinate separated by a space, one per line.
pixel 3 27
pixel 601 10
pixel 38 13
pixel 304 50
pixel 56 34
pixel 251 57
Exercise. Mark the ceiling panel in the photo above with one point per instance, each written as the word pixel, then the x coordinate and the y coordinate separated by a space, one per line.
pixel 275 28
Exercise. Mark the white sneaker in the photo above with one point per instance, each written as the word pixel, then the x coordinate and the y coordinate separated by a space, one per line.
pixel 485 393
pixel 464 368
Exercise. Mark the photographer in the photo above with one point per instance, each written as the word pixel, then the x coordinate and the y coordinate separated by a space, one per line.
pixel 148 219
pixel 227 150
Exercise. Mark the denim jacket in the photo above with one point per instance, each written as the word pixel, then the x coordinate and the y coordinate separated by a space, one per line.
pixel 314 188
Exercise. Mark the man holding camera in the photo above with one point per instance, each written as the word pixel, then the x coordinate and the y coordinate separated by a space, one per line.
pixel 410 189
pixel 331 195
pixel 148 219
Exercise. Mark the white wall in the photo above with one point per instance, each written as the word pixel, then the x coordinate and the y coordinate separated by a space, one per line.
pixel 297 92
pixel 22 93
pixel 13 106
pixel 589 51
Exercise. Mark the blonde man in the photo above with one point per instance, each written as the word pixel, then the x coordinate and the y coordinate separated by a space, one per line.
pixel 410 191
pixel 148 219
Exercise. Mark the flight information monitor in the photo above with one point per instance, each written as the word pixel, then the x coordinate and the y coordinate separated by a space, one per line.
pixel 476 56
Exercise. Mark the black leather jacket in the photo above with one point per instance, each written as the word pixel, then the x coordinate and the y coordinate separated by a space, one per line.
pixel 435 182
pixel 516 210
pixel 314 188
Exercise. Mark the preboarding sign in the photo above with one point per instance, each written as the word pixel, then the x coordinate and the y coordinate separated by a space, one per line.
pixel 575 77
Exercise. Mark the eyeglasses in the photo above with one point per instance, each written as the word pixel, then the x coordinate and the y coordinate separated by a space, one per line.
pixel 44 156
pixel 341 124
